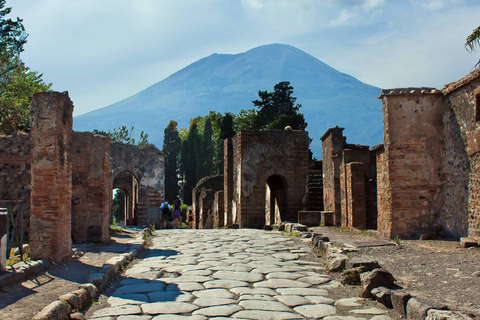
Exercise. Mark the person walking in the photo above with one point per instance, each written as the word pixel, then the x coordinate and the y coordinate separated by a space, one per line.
pixel 190 219
pixel 165 207
pixel 177 214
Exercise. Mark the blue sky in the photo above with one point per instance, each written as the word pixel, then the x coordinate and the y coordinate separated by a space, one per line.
pixel 103 51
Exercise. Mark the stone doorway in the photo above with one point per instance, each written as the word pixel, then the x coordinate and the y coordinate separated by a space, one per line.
pixel 127 182
pixel 275 199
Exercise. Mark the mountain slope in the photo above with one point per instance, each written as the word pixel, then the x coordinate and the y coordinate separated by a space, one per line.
pixel 226 82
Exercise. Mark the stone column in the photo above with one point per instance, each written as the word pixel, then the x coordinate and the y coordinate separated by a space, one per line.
pixel 51 195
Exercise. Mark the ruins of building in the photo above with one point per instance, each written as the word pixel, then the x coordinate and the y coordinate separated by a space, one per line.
pixel 64 179
pixel 265 175
pixel 208 205
pixel 427 169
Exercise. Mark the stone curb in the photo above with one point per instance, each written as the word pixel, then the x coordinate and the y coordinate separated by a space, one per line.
pixel 23 270
pixel 410 307
pixel 83 297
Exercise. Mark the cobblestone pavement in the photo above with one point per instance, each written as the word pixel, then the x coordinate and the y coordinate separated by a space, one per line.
pixel 225 274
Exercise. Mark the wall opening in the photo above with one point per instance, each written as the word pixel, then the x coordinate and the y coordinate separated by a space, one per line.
pixel 127 184
pixel 275 196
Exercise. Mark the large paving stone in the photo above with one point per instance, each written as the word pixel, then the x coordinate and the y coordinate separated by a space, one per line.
pixel 135 317
pixel 314 279
pixel 343 318
pixel 242 276
pixel 142 287
pixel 219 311
pixel 247 290
pixel 264 315
pixel 256 297
pixel 281 283
pixel 320 299
pixel 284 275
pixel 212 302
pixel 372 311
pixel 316 310
pixel 117 311
pixel 185 286
pixel 349 302
pixel 164 296
pixel 168 308
pixel 177 317
pixel 225 284
pixel 263 305
pixel 198 279
pixel 134 298
pixel 214 293
pixel 293 301
pixel 303 291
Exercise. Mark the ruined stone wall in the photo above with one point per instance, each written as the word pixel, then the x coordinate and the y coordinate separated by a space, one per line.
pixel 464 98
pixel 51 170
pixel 228 181
pixel 354 213
pixel 15 175
pixel 91 187
pixel 147 164
pixel 259 155
pixel 414 150
pixel 203 196
pixel 218 210
pixel 384 192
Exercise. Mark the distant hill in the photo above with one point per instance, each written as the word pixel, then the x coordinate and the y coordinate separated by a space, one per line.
pixel 230 82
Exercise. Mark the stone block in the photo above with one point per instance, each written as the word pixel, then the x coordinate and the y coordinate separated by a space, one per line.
pixel 433 314
pixel 383 295
pixel 56 310
pixel 358 262
pixel 468 242
pixel 399 301
pixel 91 289
pixel 336 262
pixel 299 227
pixel 374 279
pixel 310 218
pixel 417 308
pixel 328 218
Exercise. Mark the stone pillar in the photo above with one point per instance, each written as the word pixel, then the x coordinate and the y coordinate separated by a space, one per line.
pixel 51 195
pixel 228 181
pixel 355 195
pixel 218 205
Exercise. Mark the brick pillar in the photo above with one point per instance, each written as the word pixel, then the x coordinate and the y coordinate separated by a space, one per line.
pixel 51 195
pixel 228 181
pixel 356 202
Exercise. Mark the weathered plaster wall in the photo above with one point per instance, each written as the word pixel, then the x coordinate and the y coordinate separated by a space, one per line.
pixel 91 187
pixel 147 163
pixel 51 170
pixel 259 155
pixel 15 175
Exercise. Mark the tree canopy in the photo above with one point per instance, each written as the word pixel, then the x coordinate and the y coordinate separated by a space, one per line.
pixel 473 41
pixel 171 149
pixel 124 135
pixel 17 82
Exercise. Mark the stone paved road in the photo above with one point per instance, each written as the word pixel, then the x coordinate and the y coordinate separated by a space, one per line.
pixel 225 274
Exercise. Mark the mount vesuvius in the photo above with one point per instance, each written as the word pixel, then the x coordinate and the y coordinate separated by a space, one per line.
pixel 230 82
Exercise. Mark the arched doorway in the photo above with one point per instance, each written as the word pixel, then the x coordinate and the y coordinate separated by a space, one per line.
pixel 275 199
pixel 127 183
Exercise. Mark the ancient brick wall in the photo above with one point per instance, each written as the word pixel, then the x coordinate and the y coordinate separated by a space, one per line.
pixel 260 155
pixel 414 152
pixel 355 195
pixel 228 181
pixel 147 164
pixel 333 144
pixel 91 187
pixel 15 175
pixel 51 170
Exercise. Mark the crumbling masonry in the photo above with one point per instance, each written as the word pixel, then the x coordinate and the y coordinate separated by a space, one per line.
pixel 65 179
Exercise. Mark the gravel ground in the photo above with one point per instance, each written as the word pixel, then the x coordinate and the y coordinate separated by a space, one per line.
pixel 438 270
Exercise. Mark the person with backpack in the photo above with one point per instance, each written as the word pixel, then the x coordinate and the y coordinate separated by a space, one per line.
pixel 165 207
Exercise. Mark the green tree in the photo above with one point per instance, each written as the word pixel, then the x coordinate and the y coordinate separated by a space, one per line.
pixel 171 149
pixel 189 157
pixel 17 82
pixel 124 135
pixel 473 41
pixel 118 205
pixel 278 104
pixel 207 153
